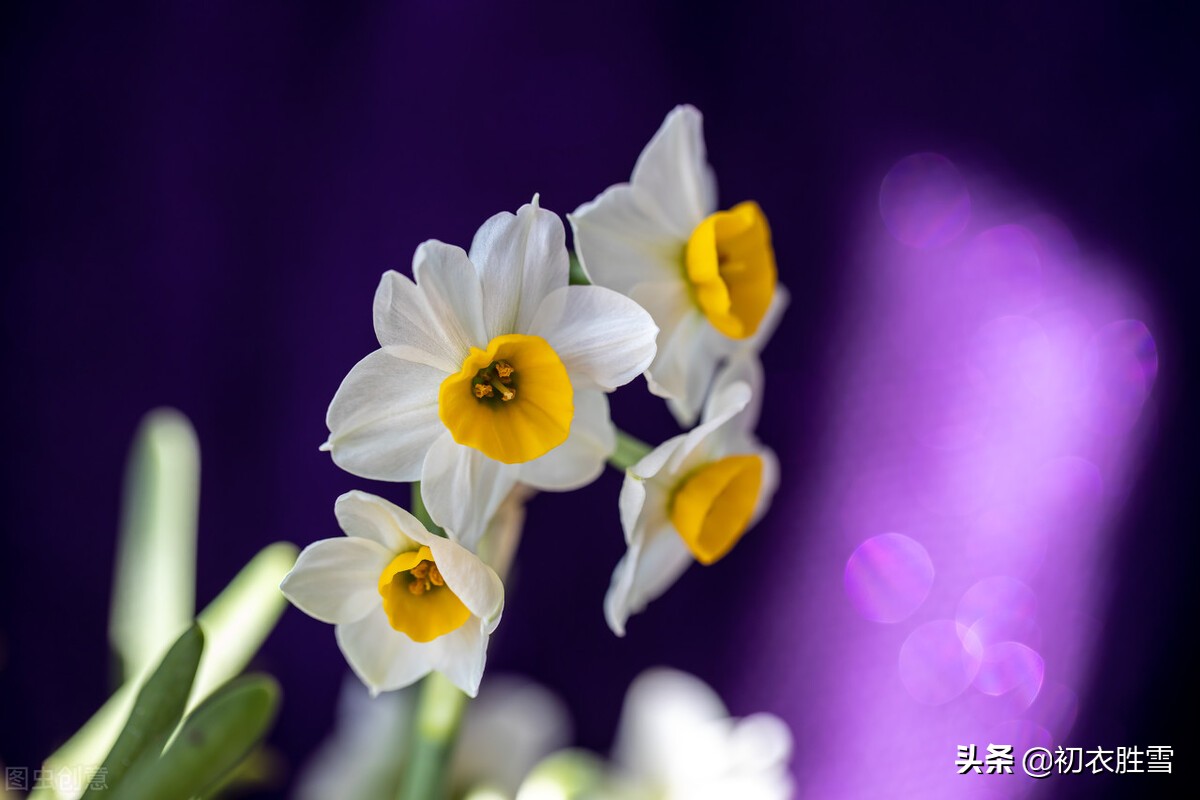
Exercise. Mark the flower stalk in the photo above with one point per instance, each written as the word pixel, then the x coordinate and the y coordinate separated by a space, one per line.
pixel 438 718
pixel 630 450
pixel 436 724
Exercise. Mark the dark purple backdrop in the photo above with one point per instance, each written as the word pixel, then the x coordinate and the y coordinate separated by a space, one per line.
pixel 199 198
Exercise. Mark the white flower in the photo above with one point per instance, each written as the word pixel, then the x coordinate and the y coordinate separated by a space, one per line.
pixel 677 740
pixel 706 276
pixel 512 725
pixel 404 601
pixel 491 371
pixel 693 496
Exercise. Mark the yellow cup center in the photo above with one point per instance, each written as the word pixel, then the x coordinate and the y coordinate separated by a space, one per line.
pixel 730 265
pixel 417 600
pixel 512 402
pixel 713 505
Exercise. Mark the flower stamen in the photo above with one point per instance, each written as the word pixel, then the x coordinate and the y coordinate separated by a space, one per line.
pixel 495 379
pixel 417 600
pixel 423 577
pixel 513 402
pixel 506 393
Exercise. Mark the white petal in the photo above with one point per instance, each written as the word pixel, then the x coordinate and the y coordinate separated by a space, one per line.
pixel 643 574
pixel 461 656
pixel 604 339
pixel 513 725
pixel 770 482
pixel 580 459
pixel 673 169
pixel 382 657
pixel 384 417
pixel 699 443
pixel 462 488
pixel 630 504
pixel 742 368
pixel 436 320
pixel 356 760
pixel 335 580
pixel 472 581
pixel 651 464
pixel 640 498
pixel 521 259
pixel 688 350
pixel 664 709
pixel 622 240
pixel 370 517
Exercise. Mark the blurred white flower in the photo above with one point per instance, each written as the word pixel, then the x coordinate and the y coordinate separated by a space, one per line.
pixel 676 741
pixel 511 726
pixel 491 371
pixel 404 601
pixel 706 276
pixel 693 496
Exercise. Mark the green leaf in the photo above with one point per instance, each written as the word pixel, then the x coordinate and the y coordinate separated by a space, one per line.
pixel 157 709
pixel 240 618
pixel 154 587
pixel 235 625
pixel 212 741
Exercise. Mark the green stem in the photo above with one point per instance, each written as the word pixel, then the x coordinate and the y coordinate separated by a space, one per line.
pixel 422 513
pixel 439 714
pixel 577 276
pixel 630 450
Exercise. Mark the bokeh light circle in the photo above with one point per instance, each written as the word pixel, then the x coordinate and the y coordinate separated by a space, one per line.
pixel 924 202
pixel 939 660
pixel 1120 364
pixel 948 405
pixel 887 577
pixel 1000 609
pixel 1013 671
pixel 1003 270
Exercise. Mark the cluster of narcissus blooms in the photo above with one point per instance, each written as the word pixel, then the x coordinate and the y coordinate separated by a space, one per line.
pixel 491 382
pixel 675 740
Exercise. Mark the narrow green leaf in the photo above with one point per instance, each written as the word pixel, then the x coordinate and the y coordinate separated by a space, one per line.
pixel 154 587
pixel 212 741
pixel 240 618
pixel 157 709
pixel 235 625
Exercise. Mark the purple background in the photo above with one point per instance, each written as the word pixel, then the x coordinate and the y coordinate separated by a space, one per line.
pixel 198 202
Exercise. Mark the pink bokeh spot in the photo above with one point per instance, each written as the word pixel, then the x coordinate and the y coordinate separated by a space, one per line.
pixel 888 577
pixel 939 660
pixel 987 418
pixel 924 201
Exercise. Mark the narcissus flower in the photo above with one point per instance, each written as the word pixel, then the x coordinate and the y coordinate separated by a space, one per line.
pixel 707 276
pixel 694 496
pixel 677 741
pixel 404 601
pixel 512 725
pixel 491 371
